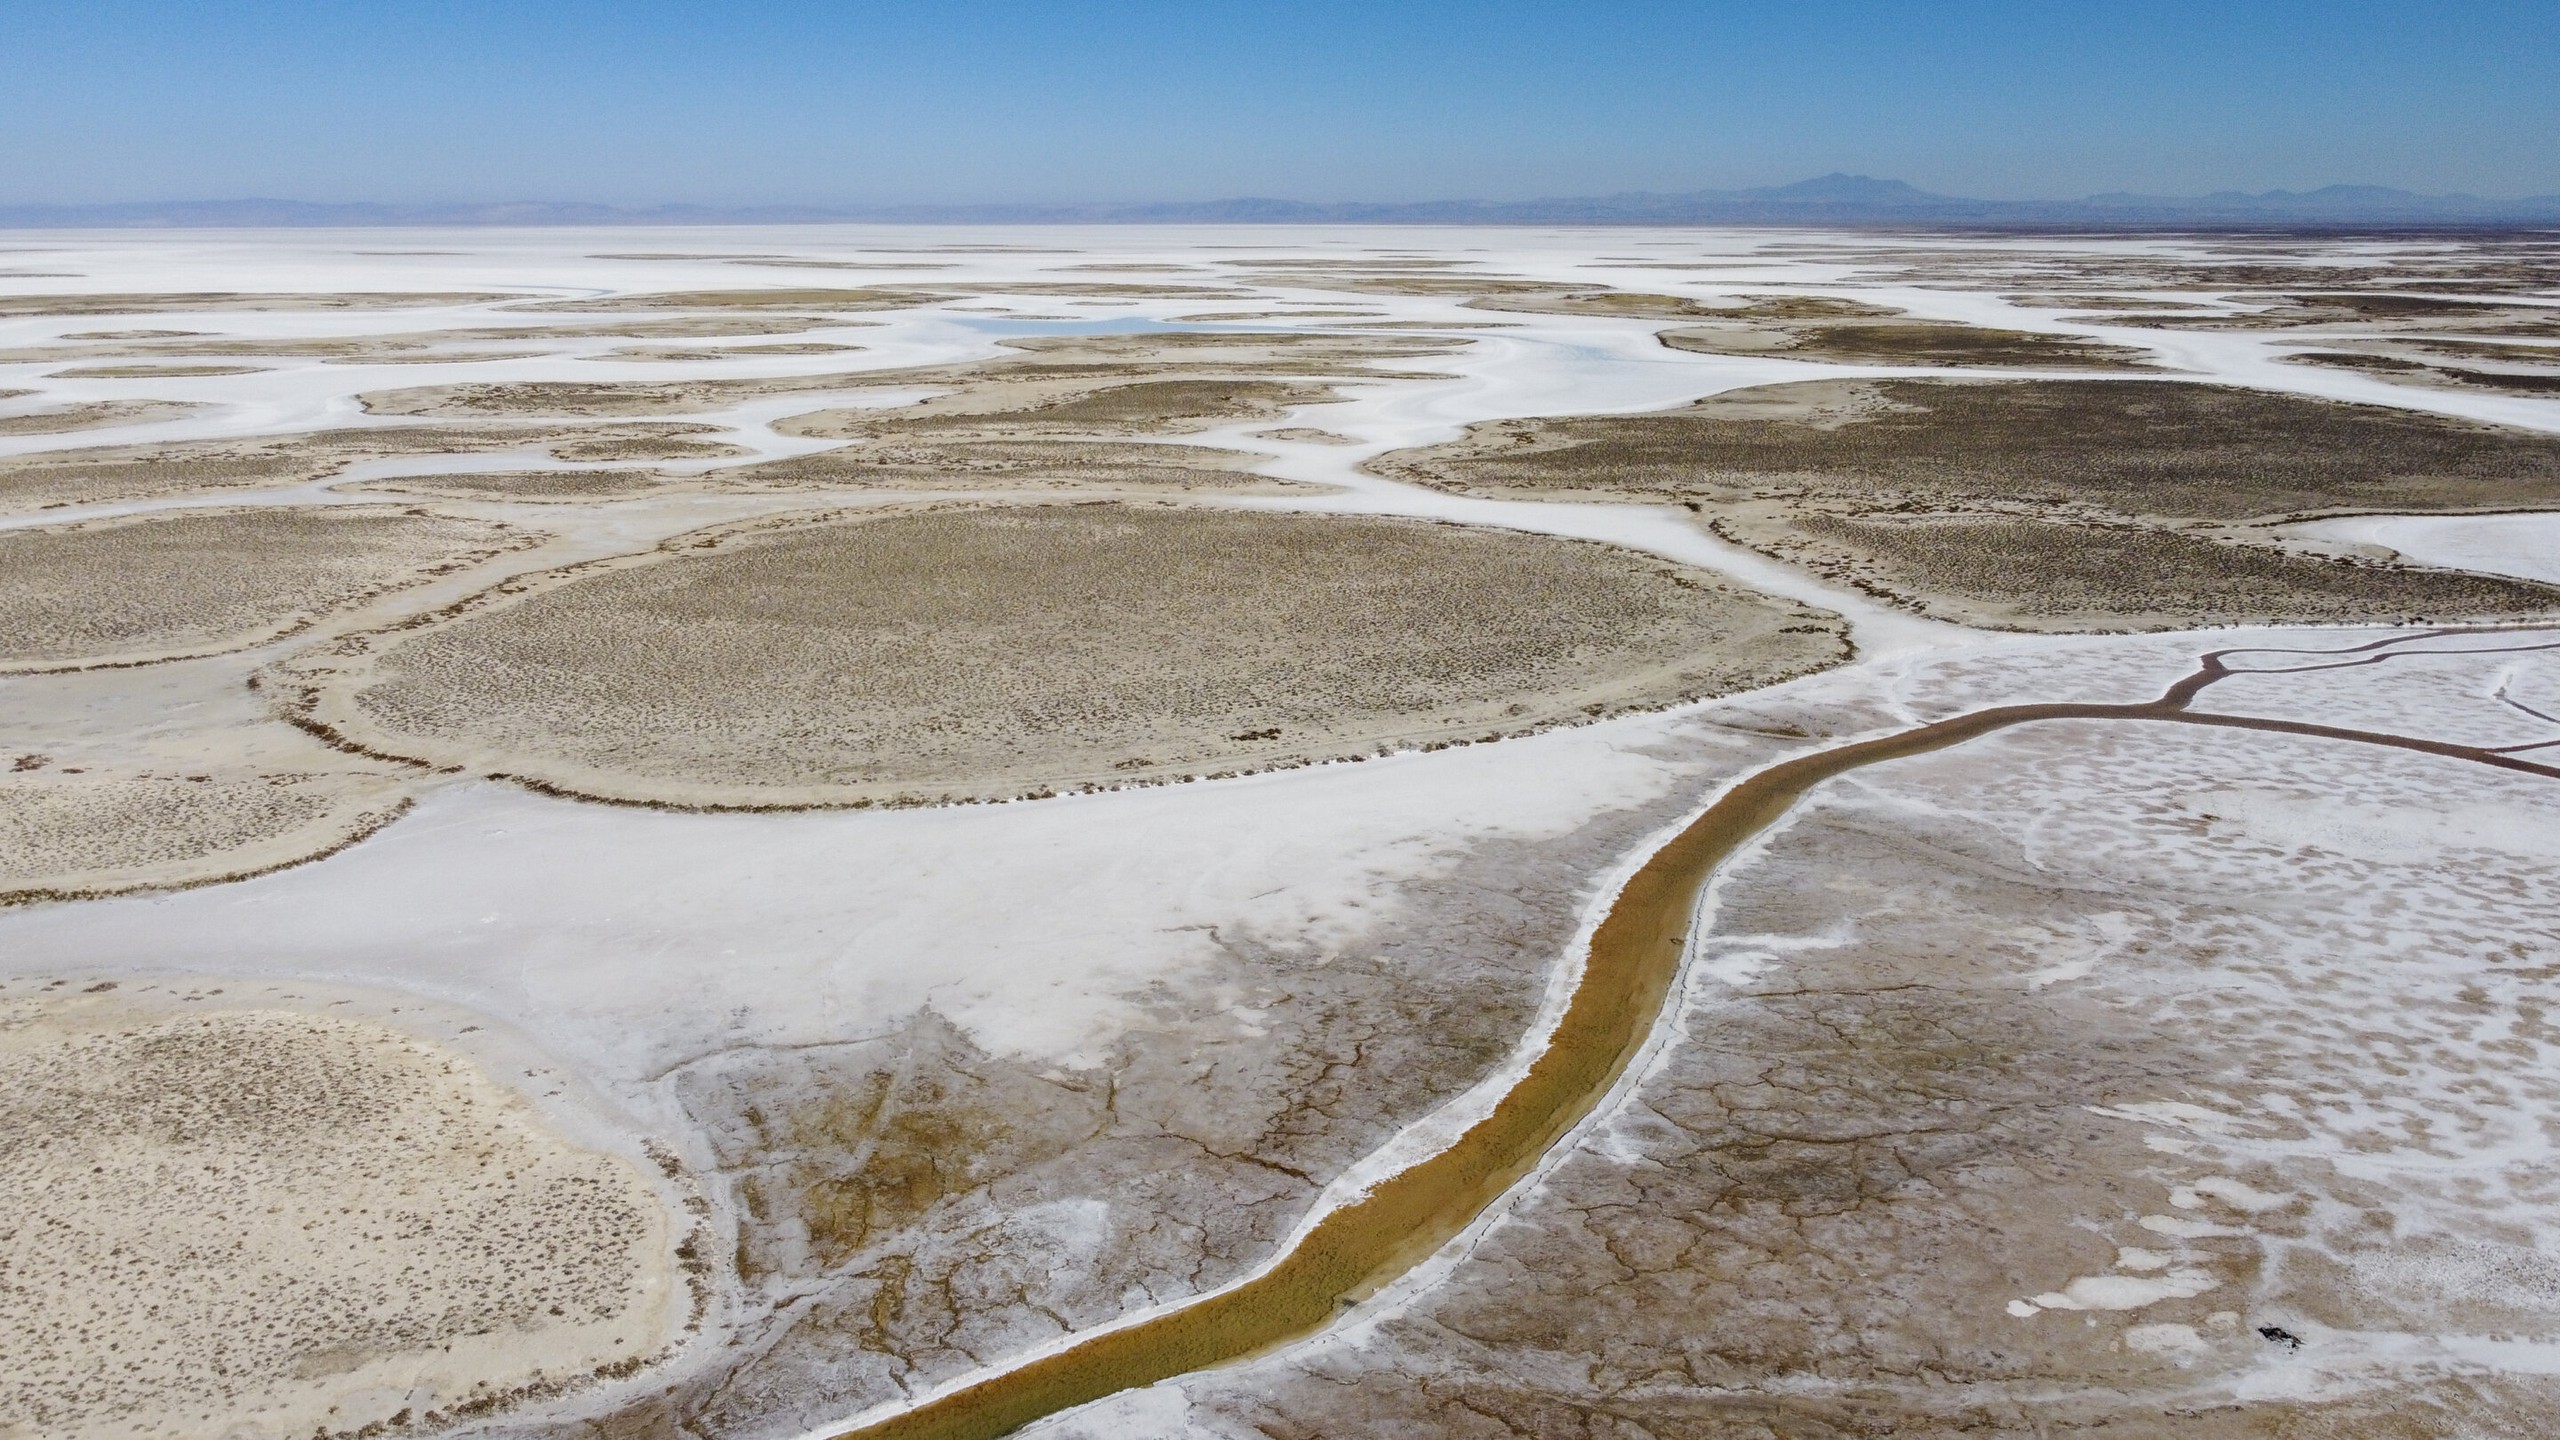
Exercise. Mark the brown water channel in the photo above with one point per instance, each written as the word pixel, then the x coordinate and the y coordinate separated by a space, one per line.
pixel 1629 976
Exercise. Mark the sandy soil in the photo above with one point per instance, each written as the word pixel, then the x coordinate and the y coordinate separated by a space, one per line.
pixel 1237 317
pixel 598 399
pixel 109 473
pixel 660 354
pixel 94 415
pixel 1071 289
pixel 1305 435
pixel 899 463
pixel 450 345
pixel 888 466
pixel 2015 572
pixel 76 831
pixel 1033 371
pixel 1365 280
pixel 2363 313
pixel 1834 329
pixel 1910 342
pixel 2047 504
pixel 542 487
pixel 198 582
pixel 631 398
pixel 996 652
pixel 822 300
pixel 1144 407
pixel 2406 369
pixel 1637 305
pixel 150 372
pixel 963 1079
pixel 13 306
pixel 262 1222
pixel 2486 265
pixel 2030 1089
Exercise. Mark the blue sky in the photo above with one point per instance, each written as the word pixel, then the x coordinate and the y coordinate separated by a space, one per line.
pixel 747 102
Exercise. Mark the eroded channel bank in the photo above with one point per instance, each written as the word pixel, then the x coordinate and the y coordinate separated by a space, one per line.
pixel 1634 960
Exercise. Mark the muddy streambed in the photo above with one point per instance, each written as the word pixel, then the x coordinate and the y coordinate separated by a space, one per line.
pixel 1629 976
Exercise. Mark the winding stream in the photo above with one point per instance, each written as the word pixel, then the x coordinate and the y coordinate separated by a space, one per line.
pixel 1629 976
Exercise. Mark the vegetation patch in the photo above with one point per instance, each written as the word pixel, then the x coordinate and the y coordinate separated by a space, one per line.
pixel 266 1223
pixel 999 651
pixel 198 582
pixel 109 473
pixel 2044 504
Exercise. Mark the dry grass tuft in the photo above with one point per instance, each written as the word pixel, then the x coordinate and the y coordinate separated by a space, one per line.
pixel 1000 651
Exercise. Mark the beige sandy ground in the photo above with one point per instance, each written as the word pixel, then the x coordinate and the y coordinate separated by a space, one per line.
pixel 1367 280
pixel 2430 367
pixel 734 300
pixel 991 651
pixel 1074 408
pixel 1000 462
pixel 197 582
pixel 836 1178
pixel 157 304
pixel 80 830
pixel 2044 504
pixel 1035 372
pixel 2278 271
pixel 1813 327
pixel 237 1216
pixel 539 487
pixel 94 415
pixel 1235 317
pixel 149 372
pixel 418 347
pixel 660 353
pixel 106 474
pixel 1306 435
pixel 2341 313
pixel 1031 466
pixel 1910 342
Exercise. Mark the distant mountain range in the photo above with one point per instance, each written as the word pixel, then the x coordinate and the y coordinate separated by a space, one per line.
pixel 1827 200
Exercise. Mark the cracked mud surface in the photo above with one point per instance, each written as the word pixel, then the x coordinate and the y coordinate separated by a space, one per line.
pixel 914 1209
pixel 1992 1113
pixel 998 651
pixel 209 1211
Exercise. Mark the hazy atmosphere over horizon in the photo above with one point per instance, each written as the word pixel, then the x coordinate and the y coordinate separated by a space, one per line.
pixel 811 103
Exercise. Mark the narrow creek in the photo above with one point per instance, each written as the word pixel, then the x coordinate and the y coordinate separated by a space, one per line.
pixel 1629 976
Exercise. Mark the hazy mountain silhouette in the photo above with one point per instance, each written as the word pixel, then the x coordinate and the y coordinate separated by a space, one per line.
pixel 1833 199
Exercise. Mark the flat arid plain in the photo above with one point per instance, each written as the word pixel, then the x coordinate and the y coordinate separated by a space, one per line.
pixel 1151 834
